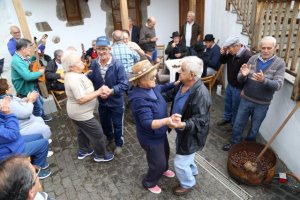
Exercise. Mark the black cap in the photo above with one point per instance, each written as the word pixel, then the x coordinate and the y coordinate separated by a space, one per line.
pixel 175 34
pixel 209 37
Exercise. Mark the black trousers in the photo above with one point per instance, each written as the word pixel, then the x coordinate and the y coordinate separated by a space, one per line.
pixel 157 159
pixel 57 86
pixel 90 132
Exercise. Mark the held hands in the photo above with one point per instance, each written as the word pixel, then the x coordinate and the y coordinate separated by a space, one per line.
pixel 175 121
pixel 105 92
pixel 5 105
pixel 177 55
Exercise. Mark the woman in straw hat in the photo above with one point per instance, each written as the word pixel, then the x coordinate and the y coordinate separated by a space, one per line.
pixel 150 112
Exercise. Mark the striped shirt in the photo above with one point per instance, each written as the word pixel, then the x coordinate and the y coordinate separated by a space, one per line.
pixel 104 68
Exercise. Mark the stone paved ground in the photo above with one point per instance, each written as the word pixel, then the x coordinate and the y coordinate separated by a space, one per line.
pixel 121 178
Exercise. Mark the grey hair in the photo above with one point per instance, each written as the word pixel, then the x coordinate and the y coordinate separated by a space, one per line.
pixel 22 43
pixel 57 52
pixel 194 64
pixel 268 39
pixel 69 60
pixel 192 13
pixel 117 35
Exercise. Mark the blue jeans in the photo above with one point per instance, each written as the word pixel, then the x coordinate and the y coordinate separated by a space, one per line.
pixel 37 148
pixel 247 109
pixel 186 169
pixel 232 101
pixel 112 118
pixel 38 109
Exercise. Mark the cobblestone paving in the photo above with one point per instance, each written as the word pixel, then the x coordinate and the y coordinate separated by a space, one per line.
pixel 121 178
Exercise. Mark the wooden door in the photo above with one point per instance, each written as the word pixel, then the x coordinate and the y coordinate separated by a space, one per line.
pixel 200 10
pixel 133 12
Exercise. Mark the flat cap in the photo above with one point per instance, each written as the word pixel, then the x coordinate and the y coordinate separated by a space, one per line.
pixel 231 41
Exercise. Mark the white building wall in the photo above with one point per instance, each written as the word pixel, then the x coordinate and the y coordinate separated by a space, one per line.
pixel 287 145
pixel 167 17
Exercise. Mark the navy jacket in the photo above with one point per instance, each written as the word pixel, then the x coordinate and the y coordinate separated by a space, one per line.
pixel 146 109
pixel 213 57
pixel 115 78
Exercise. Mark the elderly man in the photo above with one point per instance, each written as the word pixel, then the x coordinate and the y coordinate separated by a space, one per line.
pixel 16 35
pixel 23 79
pixel 190 32
pixel 175 49
pixel 55 73
pixel 147 34
pixel 192 100
pixel 120 51
pixel 234 54
pixel 20 180
pixel 212 57
pixel 132 45
pixel 262 76
pixel 108 74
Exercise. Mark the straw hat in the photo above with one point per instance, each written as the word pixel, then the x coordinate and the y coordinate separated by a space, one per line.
pixel 142 68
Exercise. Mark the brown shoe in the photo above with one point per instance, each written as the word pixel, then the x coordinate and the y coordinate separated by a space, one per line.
pixel 178 191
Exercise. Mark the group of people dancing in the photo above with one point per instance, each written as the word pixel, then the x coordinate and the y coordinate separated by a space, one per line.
pixel 117 70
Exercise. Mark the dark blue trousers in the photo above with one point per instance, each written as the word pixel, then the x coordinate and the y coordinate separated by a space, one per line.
pixel 157 158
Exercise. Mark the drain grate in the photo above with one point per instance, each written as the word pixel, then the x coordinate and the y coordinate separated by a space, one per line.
pixel 233 187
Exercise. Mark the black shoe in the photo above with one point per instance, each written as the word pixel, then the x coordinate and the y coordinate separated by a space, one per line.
pixel 227 147
pixel 223 122
pixel 47 118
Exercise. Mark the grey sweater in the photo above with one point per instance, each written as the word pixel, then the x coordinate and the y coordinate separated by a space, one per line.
pixel 262 93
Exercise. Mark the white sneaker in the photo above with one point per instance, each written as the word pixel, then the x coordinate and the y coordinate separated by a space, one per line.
pixel 49 140
pixel 50 153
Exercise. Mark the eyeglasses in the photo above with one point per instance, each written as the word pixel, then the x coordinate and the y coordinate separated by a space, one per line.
pixel 16 32
pixel 37 171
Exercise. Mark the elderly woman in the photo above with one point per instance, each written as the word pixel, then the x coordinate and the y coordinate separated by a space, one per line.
pixel 80 106
pixel 150 112
pixel 23 109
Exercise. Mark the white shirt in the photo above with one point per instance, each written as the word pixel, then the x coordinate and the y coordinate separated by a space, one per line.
pixel 59 66
pixel 188 34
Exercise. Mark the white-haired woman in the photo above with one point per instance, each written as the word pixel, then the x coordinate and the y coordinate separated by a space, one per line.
pixel 80 106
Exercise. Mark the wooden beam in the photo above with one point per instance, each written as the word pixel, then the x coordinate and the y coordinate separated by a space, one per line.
pixel 192 5
pixel 124 14
pixel 22 19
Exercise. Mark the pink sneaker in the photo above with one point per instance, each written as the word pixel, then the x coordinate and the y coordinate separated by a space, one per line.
pixel 156 189
pixel 169 174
